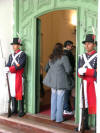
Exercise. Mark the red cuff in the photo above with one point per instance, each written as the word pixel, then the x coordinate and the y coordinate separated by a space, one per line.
pixel 90 72
pixel 12 69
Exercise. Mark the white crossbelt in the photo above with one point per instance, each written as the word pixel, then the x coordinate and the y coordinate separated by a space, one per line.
pixel 87 62
pixel 14 58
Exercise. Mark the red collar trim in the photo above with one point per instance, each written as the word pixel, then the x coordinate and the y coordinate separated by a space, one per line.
pixel 92 52
pixel 17 51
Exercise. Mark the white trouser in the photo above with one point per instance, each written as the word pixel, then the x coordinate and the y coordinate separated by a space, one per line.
pixel 12 79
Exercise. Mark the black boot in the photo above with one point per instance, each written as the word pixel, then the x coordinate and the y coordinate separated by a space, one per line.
pixel 21 108
pixel 86 126
pixel 14 105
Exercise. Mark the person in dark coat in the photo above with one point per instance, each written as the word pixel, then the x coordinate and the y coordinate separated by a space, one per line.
pixel 68 45
pixel 57 79
pixel 15 70
pixel 67 51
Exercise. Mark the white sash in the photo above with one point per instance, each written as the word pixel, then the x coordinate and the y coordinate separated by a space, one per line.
pixel 14 58
pixel 87 62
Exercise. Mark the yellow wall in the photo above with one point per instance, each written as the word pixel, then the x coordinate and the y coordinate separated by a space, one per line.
pixel 55 27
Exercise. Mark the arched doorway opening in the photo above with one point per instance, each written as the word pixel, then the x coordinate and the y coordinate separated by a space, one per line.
pixel 56 26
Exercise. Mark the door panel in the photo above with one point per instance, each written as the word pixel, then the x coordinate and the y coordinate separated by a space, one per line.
pixel 26 36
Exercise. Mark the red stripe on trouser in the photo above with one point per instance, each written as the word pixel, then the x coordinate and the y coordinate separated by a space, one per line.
pixel 18 84
pixel 91 95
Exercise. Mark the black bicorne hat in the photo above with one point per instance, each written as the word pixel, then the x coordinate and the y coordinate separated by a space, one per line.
pixel 16 41
pixel 90 38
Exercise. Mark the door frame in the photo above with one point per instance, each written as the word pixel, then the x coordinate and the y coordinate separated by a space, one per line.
pixel 37 70
pixel 77 52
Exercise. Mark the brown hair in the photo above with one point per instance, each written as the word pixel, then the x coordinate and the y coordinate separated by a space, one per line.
pixel 57 52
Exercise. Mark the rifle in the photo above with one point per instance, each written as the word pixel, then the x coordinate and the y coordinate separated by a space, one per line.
pixel 82 118
pixel 9 101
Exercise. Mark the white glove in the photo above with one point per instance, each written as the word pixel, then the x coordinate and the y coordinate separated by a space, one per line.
pixel 82 71
pixel 6 69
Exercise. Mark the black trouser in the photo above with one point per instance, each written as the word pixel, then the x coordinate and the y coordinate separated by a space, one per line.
pixel 67 104
pixel 84 125
pixel 85 115
pixel 41 85
pixel 14 105
pixel 21 107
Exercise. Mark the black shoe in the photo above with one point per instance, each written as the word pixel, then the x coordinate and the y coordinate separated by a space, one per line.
pixel 21 114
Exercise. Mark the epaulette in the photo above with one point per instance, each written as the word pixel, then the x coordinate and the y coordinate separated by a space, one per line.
pixel 80 56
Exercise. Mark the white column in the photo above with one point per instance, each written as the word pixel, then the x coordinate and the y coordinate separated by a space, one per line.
pixel 6 35
pixel 98 73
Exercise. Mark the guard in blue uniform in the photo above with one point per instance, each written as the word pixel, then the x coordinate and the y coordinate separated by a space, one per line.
pixel 87 70
pixel 15 69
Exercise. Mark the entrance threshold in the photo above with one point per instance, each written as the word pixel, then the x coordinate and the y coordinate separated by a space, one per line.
pixel 36 123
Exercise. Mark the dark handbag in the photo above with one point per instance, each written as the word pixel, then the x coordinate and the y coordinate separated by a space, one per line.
pixel 47 67
pixel 71 81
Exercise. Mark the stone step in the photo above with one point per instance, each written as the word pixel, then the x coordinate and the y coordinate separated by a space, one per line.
pixel 68 124
pixel 7 129
pixel 27 125
pixel 35 124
